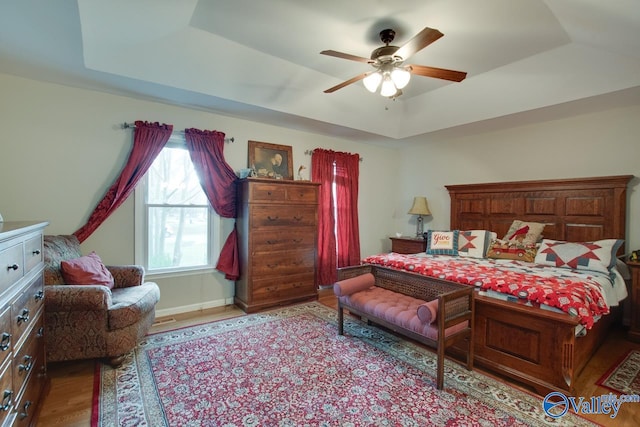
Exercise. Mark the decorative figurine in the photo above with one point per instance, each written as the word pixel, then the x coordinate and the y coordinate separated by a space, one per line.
pixel 300 169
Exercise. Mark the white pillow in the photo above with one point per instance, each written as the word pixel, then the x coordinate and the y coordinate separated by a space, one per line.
pixel 474 243
pixel 596 256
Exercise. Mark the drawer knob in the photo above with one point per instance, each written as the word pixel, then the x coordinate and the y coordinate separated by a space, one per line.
pixel 6 400
pixel 24 317
pixel 13 267
pixel 298 218
pixel 36 252
pixel 27 365
pixel 39 295
pixel 273 218
pixel 25 408
pixel 5 343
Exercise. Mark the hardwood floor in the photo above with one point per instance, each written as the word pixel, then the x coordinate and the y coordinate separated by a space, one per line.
pixel 69 402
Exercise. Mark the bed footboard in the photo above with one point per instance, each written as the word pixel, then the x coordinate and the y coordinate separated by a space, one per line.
pixel 531 346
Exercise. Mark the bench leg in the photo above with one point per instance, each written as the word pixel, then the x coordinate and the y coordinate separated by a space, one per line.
pixel 470 352
pixel 440 368
pixel 340 320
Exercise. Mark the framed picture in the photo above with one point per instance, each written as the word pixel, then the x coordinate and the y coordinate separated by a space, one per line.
pixel 271 160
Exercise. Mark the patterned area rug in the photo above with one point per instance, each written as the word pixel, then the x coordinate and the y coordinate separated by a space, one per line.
pixel 624 376
pixel 288 367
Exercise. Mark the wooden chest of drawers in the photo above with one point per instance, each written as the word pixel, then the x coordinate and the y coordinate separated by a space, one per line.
pixel 23 366
pixel 278 227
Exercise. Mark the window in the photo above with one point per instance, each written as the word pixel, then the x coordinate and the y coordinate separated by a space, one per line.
pixel 174 220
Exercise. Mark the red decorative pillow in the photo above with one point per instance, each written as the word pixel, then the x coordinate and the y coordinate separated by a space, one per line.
pixel 86 270
pixel 500 249
pixel 354 284
pixel 428 312
pixel 524 234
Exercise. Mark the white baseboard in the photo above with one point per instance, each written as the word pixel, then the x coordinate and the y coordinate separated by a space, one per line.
pixel 193 307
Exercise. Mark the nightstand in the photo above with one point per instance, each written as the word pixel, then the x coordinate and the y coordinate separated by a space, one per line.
pixel 408 245
pixel 634 325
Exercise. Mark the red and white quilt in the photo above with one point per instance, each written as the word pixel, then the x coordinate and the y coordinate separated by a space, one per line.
pixel 580 295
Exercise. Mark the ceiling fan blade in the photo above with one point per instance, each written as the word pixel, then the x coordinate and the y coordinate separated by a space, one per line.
pixel 438 73
pixel 345 56
pixel 421 40
pixel 347 83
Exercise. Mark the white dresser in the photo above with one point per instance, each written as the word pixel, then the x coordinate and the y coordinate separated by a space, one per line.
pixel 23 367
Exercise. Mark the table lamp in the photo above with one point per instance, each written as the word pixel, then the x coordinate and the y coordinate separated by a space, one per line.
pixel 420 207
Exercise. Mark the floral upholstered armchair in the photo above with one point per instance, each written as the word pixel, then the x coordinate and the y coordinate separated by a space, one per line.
pixel 87 320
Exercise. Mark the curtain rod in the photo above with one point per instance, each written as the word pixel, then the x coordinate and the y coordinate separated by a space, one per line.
pixel 175 132
pixel 310 152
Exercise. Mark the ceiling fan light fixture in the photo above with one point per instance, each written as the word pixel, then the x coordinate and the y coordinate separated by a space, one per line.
pixel 400 77
pixel 388 88
pixel 372 81
pixel 387 61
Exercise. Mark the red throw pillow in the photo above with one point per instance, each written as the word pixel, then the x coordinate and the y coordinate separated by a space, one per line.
pixel 86 270
pixel 354 284
pixel 428 312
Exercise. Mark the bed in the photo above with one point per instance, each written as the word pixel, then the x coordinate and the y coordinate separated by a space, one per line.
pixel 538 347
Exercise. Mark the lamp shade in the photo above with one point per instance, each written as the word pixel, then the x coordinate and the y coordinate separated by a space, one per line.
pixel 420 206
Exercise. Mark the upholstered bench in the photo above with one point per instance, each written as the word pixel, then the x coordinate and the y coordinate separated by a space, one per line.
pixel 431 311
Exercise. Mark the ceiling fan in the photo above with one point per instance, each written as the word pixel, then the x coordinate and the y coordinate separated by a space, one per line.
pixel 390 74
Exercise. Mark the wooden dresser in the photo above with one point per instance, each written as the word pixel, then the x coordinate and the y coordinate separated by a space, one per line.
pixel 23 367
pixel 277 232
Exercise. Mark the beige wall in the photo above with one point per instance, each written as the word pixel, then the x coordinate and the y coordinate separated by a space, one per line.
pixel 596 144
pixel 62 147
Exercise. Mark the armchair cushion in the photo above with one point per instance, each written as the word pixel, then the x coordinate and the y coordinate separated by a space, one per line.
pixel 129 305
pixel 86 270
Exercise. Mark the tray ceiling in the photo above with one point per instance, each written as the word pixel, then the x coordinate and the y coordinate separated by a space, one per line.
pixel 260 60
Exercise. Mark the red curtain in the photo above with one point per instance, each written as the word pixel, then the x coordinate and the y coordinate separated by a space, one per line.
pixel 219 184
pixel 338 237
pixel 347 170
pixel 148 141
pixel 322 172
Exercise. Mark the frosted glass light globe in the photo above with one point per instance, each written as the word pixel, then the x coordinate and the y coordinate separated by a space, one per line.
pixel 400 77
pixel 388 88
pixel 372 81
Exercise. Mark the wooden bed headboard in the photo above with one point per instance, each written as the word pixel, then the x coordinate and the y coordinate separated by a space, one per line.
pixel 575 210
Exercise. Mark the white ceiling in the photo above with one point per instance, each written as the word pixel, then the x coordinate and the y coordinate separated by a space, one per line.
pixel 260 60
